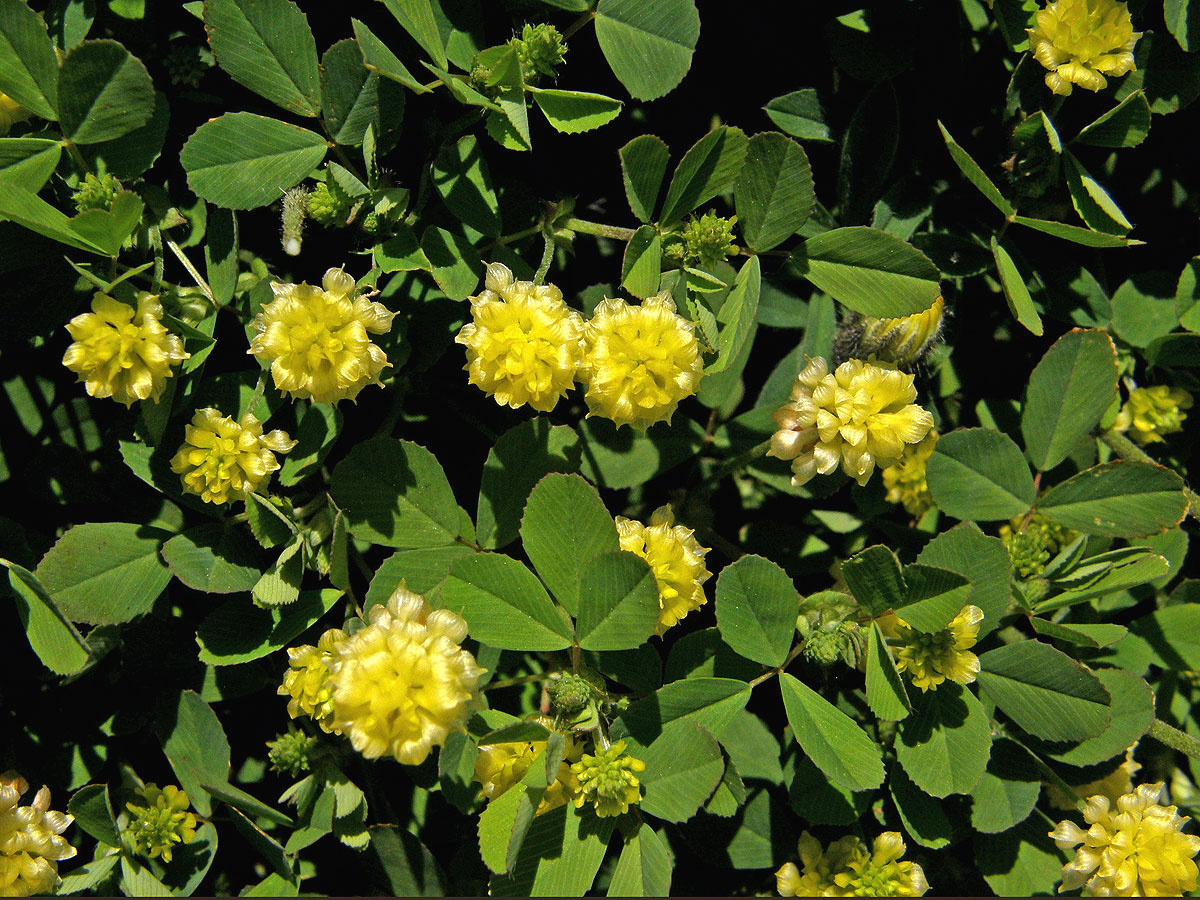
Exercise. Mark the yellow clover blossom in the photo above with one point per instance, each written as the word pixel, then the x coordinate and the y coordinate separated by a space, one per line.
pixel 223 460
pixel 11 112
pixel 1152 412
pixel 676 558
pixel 31 842
pixel 860 416
pixel 162 823
pixel 902 341
pixel 523 342
pixel 607 780
pixel 122 352
pixel 404 682
pixel 307 680
pixel 1137 850
pixel 905 480
pixel 1081 41
pixel 500 766
pixel 316 338
pixel 849 869
pixel 639 361
pixel 932 658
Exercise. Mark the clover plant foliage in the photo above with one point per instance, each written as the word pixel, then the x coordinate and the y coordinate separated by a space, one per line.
pixel 598 447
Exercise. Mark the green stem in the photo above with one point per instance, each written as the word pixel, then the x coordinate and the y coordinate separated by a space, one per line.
pixel 515 236
pixel 771 673
pixel 547 258
pixel 1127 449
pixel 515 682
pixel 1174 738
pixel 76 156
pixel 196 276
pixel 579 23
pixel 583 226
pixel 738 462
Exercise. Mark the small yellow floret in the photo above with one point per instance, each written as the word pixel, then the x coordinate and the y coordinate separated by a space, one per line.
pixel 223 460
pixel 31 842
pixel 905 480
pixel 676 558
pixel 404 682
pixel 500 766
pixel 121 352
pixel 849 869
pixel 11 112
pixel 932 658
pixel 316 338
pixel 1152 412
pixel 523 342
pixel 1137 850
pixel 162 823
pixel 860 416
pixel 1081 41
pixel 307 680
pixel 639 361
pixel 607 780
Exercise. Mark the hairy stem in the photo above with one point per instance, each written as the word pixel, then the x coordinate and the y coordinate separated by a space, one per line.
pixel 1174 738
pixel 547 258
pixel 583 226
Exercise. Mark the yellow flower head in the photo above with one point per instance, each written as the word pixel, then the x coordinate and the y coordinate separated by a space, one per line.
pixel 905 480
pixel 223 460
pixel 903 340
pixel 860 416
pixel 1081 41
pixel 499 766
pixel 162 823
pixel 849 869
pixel 676 558
pixel 31 842
pixel 11 112
pixel 607 780
pixel 404 682
pixel 122 352
pixel 932 658
pixel 639 361
pixel 523 343
pixel 1137 850
pixel 1151 412
pixel 307 680
pixel 316 338
pixel 1113 785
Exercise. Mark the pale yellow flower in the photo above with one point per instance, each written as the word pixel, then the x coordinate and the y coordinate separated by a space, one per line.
pixel 607 780
pixel 1081 41
pixel 676 558
pixel 11 112
pixel 1137 850
pixel 902 341
pixel 523 342
pixel 905 480
pixel 316 338
pixel 162 823
pixel 849 869
pixel 31 842
pixel 223 460
pixel 639 361
pixel 500 766
pixel 859 417
pixel 404 682
pixel 932 658
pixel 1113 785
pixel 307 680
pixel 122 352
pixel 1152 412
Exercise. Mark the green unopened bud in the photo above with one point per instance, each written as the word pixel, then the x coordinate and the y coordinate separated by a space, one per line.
pixel 570 694
pixel 608 781
pixel 903 341
pixel 369 223
pixel 539 48
pixel 185 64
pixel 328 206
pixel 96 193
pixel 709 239
pixel 292 753
pixel 1028 550
pixel 824 646
pixel 155 829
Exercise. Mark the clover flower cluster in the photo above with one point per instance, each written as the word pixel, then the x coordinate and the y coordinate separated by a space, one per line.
pixel 1031 544
pixel 223 460
pixel 905 480
pixel 1150 413
pixel 858 417
pixel 931 658
pixel 675 557
pixel 1138 849
pixel 608 781
pixel 164 821
pixel 848 868
pixel 525 345
pixel 31 841
pixel 500 766
pixel 900 341
pixel 397 687
pixel 1082 41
